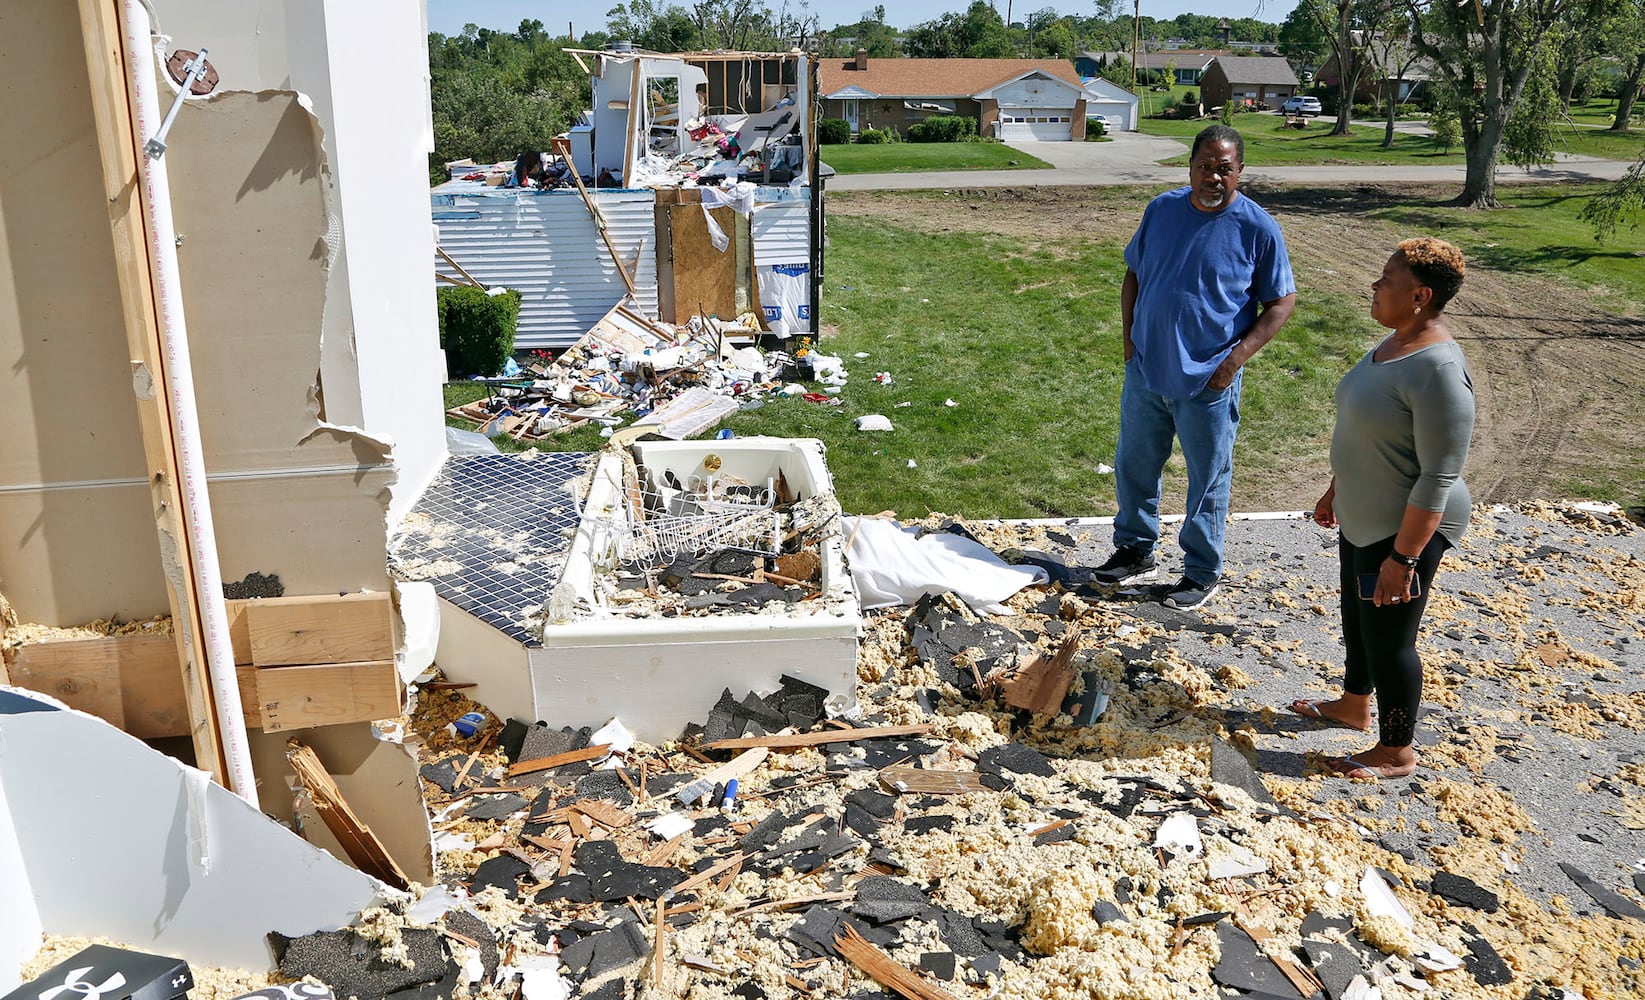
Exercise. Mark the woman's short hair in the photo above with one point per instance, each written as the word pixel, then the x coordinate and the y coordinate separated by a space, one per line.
pixel 1436 264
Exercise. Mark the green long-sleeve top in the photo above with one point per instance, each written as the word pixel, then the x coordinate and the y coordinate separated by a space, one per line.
pixel 1402 438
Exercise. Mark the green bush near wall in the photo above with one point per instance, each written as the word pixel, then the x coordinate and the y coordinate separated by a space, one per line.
pixel 944 128
pixel 476 329
pixel 833 131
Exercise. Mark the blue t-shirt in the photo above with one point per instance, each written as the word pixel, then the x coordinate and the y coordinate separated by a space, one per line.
pixel 1200 278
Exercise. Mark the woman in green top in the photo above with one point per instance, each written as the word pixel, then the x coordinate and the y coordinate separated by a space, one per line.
pixel 1405 413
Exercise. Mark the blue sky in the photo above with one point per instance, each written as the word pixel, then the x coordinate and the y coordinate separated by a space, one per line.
pixel 449 16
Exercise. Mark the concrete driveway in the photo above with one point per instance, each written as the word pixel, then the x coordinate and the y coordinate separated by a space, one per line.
pixel 1132 158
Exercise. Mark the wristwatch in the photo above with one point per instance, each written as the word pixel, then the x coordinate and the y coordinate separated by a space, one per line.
pixel 1409 562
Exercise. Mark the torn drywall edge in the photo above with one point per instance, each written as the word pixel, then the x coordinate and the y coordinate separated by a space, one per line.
pixel 419 606
pixel 133 875
pixel 20 929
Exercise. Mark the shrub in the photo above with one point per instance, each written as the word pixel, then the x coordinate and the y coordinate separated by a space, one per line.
pixel 1095 128
pixel 1446 126
pixel 476 329
pixel 1189 98
pixel 833 131
pixel 944 128
pixel 871 137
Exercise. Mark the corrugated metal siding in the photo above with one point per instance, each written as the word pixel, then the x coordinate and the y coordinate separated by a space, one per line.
pixel 782 232
pixel 544 244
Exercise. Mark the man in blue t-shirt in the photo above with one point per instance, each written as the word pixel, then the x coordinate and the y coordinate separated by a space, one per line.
pixel 1207 284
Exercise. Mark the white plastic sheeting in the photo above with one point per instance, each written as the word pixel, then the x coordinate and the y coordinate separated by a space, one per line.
pixel 891 565
pixel 544 245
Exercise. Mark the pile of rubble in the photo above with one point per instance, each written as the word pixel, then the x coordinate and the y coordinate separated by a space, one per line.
pixel 682 380
pixel 945 843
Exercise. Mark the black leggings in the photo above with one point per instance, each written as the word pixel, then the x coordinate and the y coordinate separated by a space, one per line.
pixel 1382 642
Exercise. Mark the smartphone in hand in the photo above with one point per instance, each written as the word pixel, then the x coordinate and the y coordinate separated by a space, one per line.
pixel 1368 586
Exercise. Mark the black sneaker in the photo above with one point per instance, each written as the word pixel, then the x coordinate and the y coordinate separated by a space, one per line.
pixel 1189 594
pixel 1128 564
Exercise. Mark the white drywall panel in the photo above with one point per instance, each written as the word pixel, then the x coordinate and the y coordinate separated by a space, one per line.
pixel 381 368
pixel 123 842
pixel 20 928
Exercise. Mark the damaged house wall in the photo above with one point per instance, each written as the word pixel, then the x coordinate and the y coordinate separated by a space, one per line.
pixel 254 206
pixel 363 69
pixel 255 212
pixel 197 873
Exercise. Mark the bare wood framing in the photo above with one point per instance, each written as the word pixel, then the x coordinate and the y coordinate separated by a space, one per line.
pixel 636 111
pixel 459 268
pixel 926 782
pixel 287 631
pixel 118 147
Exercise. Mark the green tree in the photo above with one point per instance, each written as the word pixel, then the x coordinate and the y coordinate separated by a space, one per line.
pixel 1621 202
pixel 1485 52
pixel 1301 38
pixel 1626 41
pixel 1528 138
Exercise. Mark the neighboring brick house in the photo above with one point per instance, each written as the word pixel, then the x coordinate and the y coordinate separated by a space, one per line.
pixel 1039 99
pixel 1409 75
pixel 1264 80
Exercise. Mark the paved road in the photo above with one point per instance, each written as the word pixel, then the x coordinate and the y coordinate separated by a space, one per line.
pixel 1132 158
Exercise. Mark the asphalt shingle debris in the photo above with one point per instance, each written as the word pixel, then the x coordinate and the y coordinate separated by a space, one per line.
pixel 1048 875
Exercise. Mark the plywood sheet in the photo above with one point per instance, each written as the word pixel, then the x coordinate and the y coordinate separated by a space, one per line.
pixel 704 278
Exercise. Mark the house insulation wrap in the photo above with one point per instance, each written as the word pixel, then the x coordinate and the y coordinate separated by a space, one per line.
pixel 703 196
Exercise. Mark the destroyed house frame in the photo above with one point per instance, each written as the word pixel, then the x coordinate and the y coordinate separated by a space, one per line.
pixel 571 268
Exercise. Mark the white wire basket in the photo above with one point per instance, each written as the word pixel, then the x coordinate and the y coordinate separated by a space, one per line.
pixel 708 515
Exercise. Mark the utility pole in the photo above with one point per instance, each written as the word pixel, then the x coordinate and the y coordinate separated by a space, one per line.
pixel 1136 40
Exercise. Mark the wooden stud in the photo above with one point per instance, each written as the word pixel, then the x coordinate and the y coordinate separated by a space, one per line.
pixel 325 694
pixel 884 969
pixel 119 148
pixel 926 782
pixel 1041 685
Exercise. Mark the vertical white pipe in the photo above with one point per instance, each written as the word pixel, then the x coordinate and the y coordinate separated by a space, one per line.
pixel 213 650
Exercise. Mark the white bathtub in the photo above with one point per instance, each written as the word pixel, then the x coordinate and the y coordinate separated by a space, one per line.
pixel 658 673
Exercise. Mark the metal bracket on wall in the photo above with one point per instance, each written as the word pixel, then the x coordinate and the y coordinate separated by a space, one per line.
pixel 195 70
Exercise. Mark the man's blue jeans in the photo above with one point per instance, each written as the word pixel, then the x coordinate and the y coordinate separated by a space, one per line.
pixel 1206 425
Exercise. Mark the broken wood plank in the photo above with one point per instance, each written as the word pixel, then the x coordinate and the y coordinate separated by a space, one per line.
pixel 918 779
pixel 323 694
pixel 130 681
pixel 603 812
pixel 357 840
pixel 884 969
pixel 708 874
pixel 1041 685
pixel 594 752
pixel 1304 981
pixel 296 631
pixel 816 739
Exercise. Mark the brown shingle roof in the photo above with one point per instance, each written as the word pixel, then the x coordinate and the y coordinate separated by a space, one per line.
pixel 935 77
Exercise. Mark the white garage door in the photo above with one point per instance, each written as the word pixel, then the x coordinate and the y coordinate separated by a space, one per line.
pixel 1037 124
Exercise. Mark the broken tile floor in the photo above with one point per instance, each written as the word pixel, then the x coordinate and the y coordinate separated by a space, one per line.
pixel 1188 843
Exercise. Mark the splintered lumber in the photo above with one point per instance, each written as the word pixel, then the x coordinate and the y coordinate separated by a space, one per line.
pixel 295 631
pixel 884 969
pixel 1041 685
pixel 817 739
pixel 594 752
pixel 709 874
pixel 1305 982
pixel 357 840
pixel 603 813
pixel 918 779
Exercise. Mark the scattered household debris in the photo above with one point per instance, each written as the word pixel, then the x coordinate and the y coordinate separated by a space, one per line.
pixel 677 382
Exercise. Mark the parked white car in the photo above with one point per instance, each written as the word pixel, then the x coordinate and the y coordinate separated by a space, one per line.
pixel 1301 105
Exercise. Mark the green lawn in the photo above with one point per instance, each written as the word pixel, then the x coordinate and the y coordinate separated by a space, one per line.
pixel 910 157
pixel 1022 335
pixel 1269 143
pixel 1538 230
